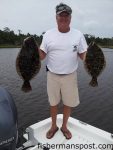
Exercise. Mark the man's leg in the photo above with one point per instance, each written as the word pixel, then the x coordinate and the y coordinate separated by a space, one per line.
pixel 54 128
pixel 53 90
pixel 66 114
pixel 69 92
pixel 53 113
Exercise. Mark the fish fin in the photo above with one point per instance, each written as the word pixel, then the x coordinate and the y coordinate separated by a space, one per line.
pixel 93 82
pixel 26 87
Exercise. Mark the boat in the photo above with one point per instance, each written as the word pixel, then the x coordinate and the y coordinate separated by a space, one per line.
pixel 84 136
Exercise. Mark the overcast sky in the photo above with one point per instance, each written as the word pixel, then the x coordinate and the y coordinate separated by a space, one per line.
pixel 93 17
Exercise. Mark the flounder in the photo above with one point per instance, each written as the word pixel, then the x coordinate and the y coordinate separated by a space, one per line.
pixel 94 62
pixel 28 62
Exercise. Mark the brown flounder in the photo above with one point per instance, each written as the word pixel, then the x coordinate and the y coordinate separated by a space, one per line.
pixel 94 62
pixel 28 62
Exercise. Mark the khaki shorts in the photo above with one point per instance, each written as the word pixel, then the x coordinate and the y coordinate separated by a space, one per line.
pixel 62 87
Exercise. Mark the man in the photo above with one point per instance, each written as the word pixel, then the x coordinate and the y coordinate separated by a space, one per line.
pixel 62 46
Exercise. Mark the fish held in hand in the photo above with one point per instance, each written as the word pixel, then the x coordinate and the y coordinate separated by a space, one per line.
pixel 28 62
pixel 94 62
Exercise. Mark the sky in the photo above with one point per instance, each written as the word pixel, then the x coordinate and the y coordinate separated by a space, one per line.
pixel 93 17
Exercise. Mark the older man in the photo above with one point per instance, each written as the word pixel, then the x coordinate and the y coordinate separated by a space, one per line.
pixel 62 46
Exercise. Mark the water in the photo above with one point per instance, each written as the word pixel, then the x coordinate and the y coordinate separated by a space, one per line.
pixel 96 107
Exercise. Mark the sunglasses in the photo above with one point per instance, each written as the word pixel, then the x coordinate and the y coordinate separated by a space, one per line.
pixel 64 14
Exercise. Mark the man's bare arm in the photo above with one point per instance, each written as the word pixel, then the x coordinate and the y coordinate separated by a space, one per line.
pixel 42 54
pixel 82 55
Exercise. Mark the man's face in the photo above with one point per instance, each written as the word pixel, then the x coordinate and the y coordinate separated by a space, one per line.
pixel 63 19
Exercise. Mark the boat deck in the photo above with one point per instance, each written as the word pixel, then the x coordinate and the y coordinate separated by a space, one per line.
pixel 84 136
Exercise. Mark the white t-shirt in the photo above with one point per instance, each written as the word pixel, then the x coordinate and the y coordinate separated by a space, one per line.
pixel 62 48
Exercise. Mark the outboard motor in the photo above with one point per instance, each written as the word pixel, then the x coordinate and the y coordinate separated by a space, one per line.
pixel 8 121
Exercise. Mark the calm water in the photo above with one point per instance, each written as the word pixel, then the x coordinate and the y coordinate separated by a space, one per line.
pixel 96 106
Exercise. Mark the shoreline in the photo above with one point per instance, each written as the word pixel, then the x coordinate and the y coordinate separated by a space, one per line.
pixel 10 46
pixel 19 46
pixel 110 47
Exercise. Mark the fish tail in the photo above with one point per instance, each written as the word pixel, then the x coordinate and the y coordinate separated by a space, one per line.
pixel 93 82
pixel 26 87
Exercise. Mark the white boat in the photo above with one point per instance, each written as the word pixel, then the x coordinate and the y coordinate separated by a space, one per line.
pixel 84 136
